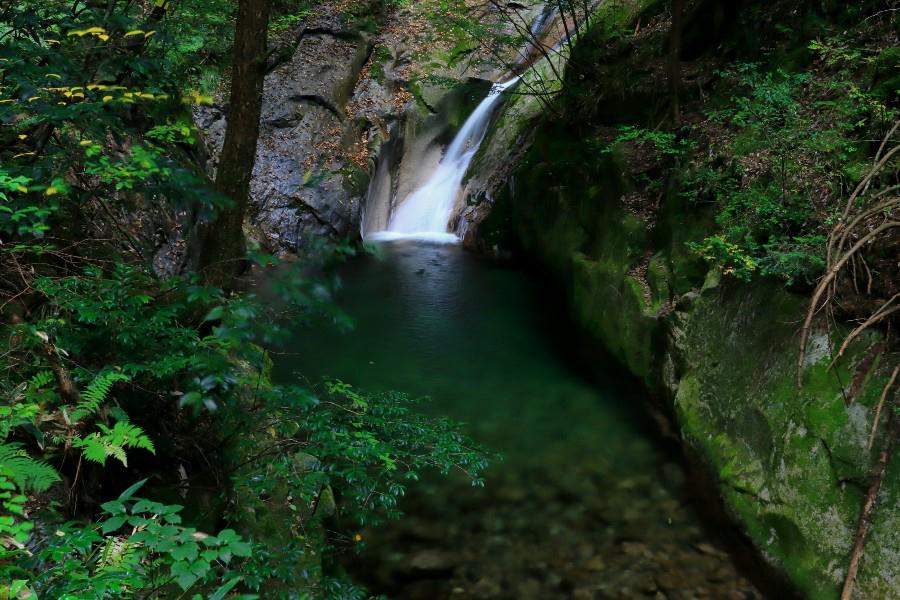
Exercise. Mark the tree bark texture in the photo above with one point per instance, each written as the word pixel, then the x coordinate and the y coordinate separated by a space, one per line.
pixel 218 245
pixel 675 58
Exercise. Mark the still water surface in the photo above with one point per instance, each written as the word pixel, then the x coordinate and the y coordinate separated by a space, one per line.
pixel 586 502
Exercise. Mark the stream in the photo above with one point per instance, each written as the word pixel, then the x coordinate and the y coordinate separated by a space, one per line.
pixel 586 502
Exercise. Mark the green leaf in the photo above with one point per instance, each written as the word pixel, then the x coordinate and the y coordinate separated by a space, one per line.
pixel 127 494
pixel 148 506
pixel 226 536
pixel 223 589
pixel 186 580
pixel 215 314
pixel 200 567
pixel 181 571
pixel 187 551
pixel 242 549
pixel 113 507
pixel 113 524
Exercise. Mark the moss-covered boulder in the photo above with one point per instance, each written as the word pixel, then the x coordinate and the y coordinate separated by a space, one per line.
pixel 720 358
pixel 607 219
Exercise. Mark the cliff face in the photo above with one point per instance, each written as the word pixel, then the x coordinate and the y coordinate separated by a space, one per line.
pixel 719 358
pixel 718 355
pixel 356 106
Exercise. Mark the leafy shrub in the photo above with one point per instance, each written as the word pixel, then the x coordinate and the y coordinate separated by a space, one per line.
pixel 794 146
pixel 113 372
pixel 664 142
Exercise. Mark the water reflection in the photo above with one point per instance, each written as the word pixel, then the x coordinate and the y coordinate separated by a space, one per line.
pixel 585 505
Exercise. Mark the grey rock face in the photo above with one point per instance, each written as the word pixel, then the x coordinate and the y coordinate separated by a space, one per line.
pixel 343 106
pixel 302 182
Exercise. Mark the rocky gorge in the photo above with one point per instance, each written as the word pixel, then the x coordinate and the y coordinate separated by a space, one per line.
pixel 351 124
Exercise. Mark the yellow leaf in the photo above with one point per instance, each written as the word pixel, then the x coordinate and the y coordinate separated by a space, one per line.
pixel 51 191
pixel 22 189
pixel 107 98
pixel 197 98
pixel 85 143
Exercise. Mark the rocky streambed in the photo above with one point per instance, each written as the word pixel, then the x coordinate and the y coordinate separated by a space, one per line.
pixel 587 502
pixel 554 531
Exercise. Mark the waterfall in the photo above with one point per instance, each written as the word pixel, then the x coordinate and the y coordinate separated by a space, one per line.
pixel 426 213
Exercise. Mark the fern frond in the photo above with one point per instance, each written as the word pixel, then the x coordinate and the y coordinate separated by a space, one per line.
pixel 118 554
pixel 34 388
pixel 112 442
pixel 95 394
pixel 40 379
pixel 24 471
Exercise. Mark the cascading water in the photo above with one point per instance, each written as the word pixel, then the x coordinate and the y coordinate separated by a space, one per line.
pixel 426 213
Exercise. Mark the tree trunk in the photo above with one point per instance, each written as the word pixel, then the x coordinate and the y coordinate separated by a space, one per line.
pixel 719 20
pixel 218 245
pixel 675 58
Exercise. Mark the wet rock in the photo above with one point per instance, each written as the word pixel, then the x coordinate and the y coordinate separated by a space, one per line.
pixel 672 581
pixel 530 589
pixel 434 560
pixel 486 588
pixel 634 549
pixel 706 548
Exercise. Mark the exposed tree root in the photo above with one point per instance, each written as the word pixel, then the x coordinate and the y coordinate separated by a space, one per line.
pixel 880 205
pixel 825 285
pixel 867 218
pixel 883 312
pixel 884 395
pixel 865 517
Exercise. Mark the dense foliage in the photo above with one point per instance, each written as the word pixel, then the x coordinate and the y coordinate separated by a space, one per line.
pixel 798 142
pixel 124 376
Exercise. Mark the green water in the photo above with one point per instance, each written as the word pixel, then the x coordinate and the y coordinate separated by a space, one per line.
pixel 585 503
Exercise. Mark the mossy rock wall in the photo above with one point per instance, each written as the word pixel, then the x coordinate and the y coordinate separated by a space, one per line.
pixel 719 357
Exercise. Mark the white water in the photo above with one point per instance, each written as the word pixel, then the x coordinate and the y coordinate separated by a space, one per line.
pixel 426 213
